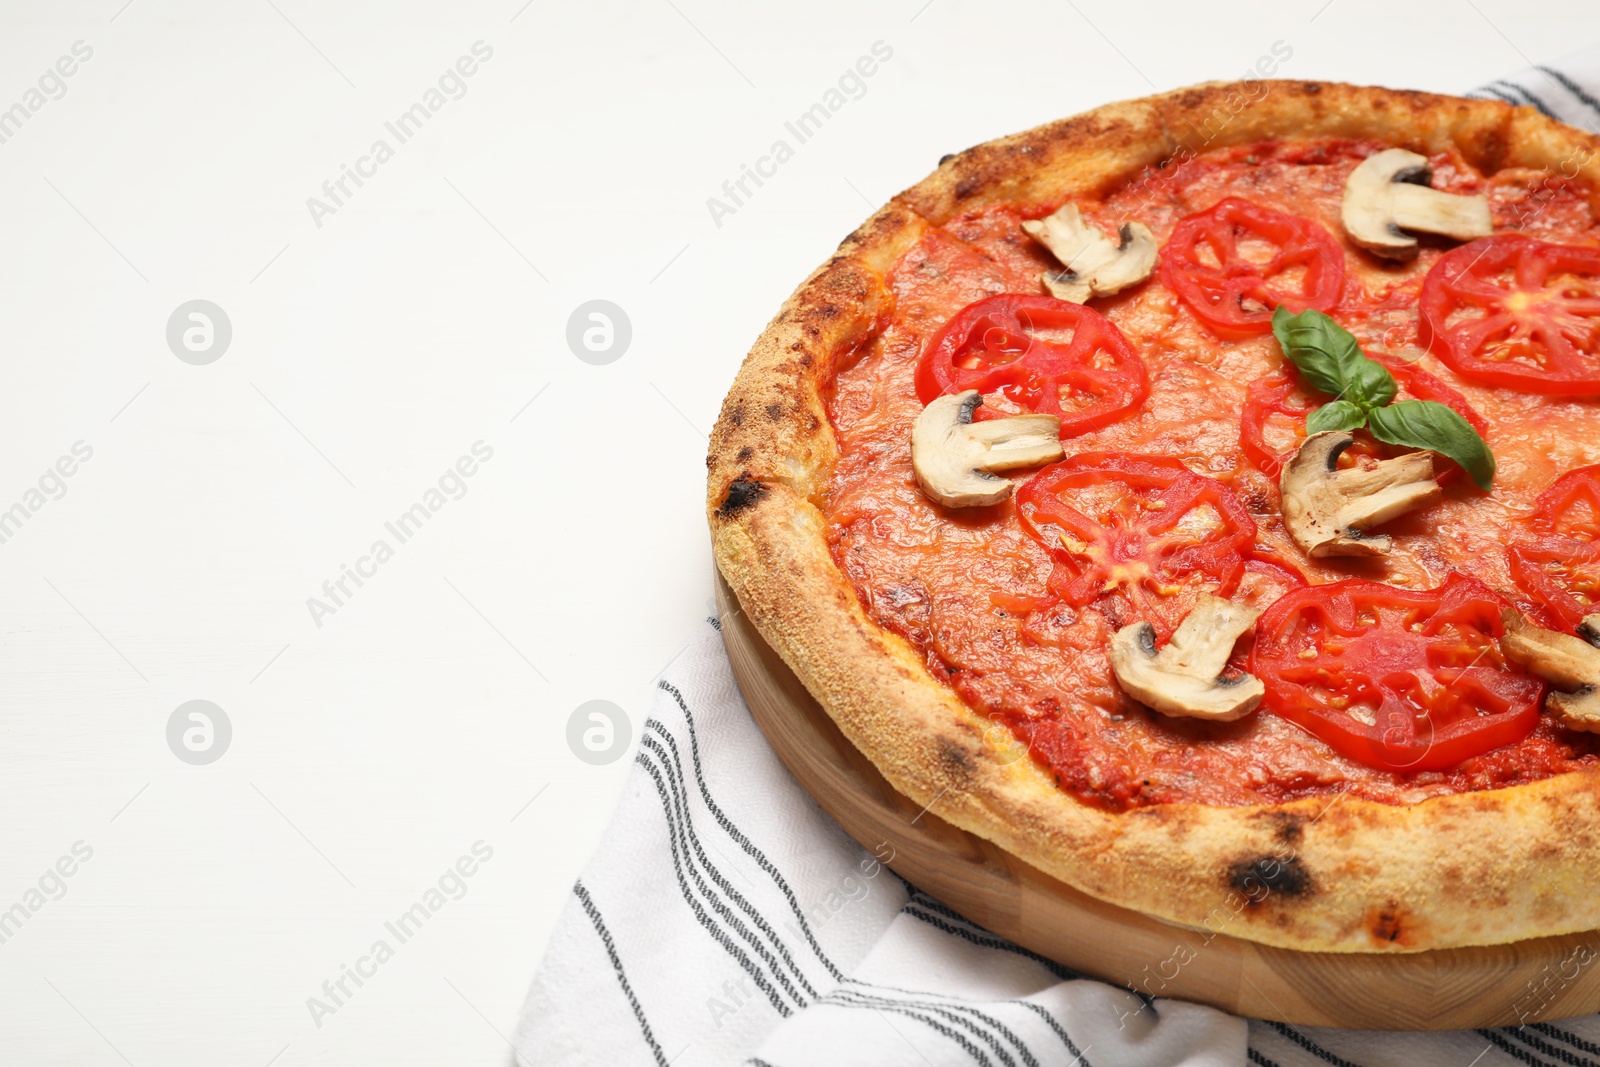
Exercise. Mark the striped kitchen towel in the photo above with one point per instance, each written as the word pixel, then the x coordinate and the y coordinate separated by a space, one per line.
pixel 1568 90
pixel 725 919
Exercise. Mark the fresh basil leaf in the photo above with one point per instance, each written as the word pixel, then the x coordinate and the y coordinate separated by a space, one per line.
pixel 1425 424
pixel 1338 415
pixel 1330 360
pixel 1372 386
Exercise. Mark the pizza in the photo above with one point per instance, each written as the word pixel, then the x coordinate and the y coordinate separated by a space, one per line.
pixel 1199 498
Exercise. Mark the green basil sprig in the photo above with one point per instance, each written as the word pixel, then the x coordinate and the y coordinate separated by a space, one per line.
pixel 1330 361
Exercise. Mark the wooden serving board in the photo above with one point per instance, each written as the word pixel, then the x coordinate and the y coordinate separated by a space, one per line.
pixel 1529 981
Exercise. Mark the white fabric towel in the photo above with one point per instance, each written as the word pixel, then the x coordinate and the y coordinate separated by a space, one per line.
pixel 725 919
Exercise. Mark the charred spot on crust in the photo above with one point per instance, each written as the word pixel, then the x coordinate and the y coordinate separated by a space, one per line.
pixel 775 412
pixel 743 492
pixel 1288 825
pixel 1264 877
pixel 1385 925
pixel 736 416
pixel 947 157
pixel 745 453
pixel 955 758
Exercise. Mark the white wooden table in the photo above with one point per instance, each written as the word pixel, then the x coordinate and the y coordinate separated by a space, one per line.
pixel 376 339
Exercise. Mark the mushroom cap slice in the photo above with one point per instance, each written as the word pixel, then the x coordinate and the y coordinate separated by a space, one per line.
pixel 955 458
pixel 1388 194
pixel 1186 677
pixel 1094 265
pixel 1328 510
pixel 1571 664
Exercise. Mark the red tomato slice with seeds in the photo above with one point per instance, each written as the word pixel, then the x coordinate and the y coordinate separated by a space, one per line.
pixel 1034 353
pixel 1400 679
pixel 1517 312
pixel 1559 564
pixel 1235 262
pixel 1142 536
pixel 1271 411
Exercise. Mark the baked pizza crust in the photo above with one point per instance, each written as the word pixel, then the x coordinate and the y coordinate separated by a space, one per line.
pixel 1333 874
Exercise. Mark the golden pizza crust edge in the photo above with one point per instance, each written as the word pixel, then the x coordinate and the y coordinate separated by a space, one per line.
pixel 1334 873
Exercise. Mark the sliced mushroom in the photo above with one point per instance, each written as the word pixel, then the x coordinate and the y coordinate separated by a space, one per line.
pixel 1328 510
pixel 1094 264
pixel 955 457
pixel 1187 676
pixel 1571 664
pixel 1388 194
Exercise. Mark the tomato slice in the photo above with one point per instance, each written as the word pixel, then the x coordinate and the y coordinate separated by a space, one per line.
pixel 1142 535
pixel 1270 410
pixel 1237 261
pixel 1268 396
pixel 1268 575
pixel 1513 311
pixel 1399 679
pixel 1034 353
pixel 1559 564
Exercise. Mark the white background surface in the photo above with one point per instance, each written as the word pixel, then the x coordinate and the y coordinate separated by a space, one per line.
pixel 367 355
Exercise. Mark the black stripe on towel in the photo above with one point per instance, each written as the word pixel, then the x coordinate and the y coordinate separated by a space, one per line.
pixel 1309 1045
pixel 674 767
pixel 1572 1039
pixel 718 934
pixel 1551 1053
pixel 1572 87
pixel 899 1009
pixel 740 839
pixel 616 965
pixel 955 1003
pixel 1514 1051
pixel 986 1028
pixel 1498 95
pixel 1533 101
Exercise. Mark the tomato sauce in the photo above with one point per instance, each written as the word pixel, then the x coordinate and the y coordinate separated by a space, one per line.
pixel 968 588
